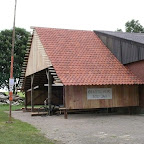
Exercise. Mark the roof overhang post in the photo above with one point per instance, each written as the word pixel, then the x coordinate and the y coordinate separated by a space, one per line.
pixel 32 97
pixel 49 78
pixel 25 100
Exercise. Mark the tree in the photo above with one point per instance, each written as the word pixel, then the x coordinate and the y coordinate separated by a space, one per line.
pixel 134 26
pixel 21 39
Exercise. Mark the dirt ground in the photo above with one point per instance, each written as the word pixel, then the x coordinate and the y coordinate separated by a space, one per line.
pixel 89 128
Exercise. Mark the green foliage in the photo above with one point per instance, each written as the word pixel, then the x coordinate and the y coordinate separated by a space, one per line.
pixel 18 132
pixel 21 39
pixel 20 94
pixel 134 26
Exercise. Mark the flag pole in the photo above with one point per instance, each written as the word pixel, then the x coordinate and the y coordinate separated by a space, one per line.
pixel 11 80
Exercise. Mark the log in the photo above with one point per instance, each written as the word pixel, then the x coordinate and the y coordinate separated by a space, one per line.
pixel 39 113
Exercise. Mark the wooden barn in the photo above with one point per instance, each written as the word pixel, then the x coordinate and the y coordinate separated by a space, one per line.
pixel 80 70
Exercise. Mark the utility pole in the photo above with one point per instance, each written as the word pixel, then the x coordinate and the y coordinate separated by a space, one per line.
pixel 11 80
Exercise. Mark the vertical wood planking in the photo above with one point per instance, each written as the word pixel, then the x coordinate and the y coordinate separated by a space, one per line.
pixel 141 99
pixel 122 95
pixel 38 58
pixel 126 51
pixel 32 97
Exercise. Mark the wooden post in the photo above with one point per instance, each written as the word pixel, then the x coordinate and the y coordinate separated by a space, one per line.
pixel 32 98
pixel 65 110
pixel 65 114
pixel 49 78
pixel 25 100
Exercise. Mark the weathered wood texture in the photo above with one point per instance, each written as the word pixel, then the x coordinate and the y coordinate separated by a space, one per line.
pixel 141 92
pixel 138 69
pixel 41 95
pixel 125 51
pixel 122 96
pixel 38 96
pixel 38 59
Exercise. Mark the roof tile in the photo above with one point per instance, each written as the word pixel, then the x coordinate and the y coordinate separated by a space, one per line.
pixel 80 58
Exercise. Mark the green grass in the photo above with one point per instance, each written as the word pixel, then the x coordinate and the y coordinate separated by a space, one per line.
pixel 18 132
pixel 21 94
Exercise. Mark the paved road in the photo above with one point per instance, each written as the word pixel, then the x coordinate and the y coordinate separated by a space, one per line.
pixel 89 128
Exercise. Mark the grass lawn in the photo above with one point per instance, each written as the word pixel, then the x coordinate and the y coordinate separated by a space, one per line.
pixel 18 132
pixel 21 94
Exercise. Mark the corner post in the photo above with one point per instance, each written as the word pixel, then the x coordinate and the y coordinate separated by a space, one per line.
pixel 32 98
pixel 49 78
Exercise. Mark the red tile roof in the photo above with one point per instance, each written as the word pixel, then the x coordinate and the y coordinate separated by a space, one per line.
pixel 80 58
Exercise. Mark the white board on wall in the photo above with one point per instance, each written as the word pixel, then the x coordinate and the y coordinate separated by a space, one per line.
pixel 99 93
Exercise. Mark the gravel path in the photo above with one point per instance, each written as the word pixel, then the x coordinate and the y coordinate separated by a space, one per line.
pixel 89 128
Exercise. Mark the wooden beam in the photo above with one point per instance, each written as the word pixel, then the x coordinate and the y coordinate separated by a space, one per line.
pixel 28 48
pixel 32 97
pixel 36 87
pixel 29 43
pixel 57 81
pixel 53 71
pixel 49 77
pixel 53 74
pixel 58 84
pixel 24 65
pixel 51 68
pixel 22 74
pixel 56 78
pixel 39 113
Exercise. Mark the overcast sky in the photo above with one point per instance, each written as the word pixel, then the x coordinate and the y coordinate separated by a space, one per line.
pixel 71 14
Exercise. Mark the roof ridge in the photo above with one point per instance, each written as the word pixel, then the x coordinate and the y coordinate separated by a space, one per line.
pixel 35 27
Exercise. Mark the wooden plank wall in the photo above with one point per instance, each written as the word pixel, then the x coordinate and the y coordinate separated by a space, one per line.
pixel 124 50
pixel 122 96
pixel 141 99
pixel 40 95
pixel 38 59
pixel 137 68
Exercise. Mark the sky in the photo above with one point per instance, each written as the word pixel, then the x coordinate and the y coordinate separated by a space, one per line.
pixel 71 14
